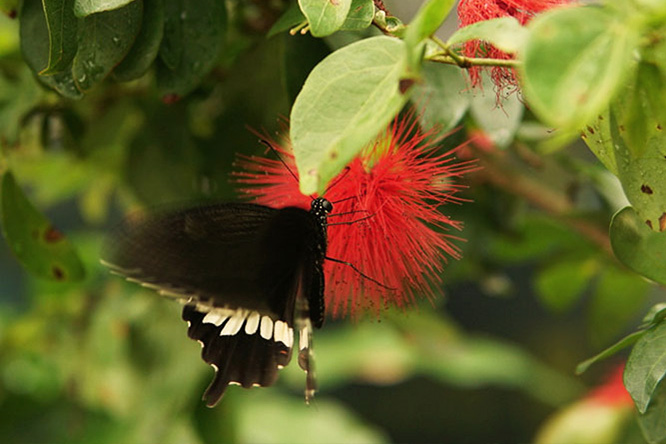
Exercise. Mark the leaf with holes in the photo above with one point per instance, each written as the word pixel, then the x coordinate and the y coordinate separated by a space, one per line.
pixel 40 247
pixel 346 100
pixel 642 175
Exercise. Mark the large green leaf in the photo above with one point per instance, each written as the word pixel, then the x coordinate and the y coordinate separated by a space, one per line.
pixel 62 25
pixel 325 16
pixel 147 44
pixel 104 40
pixel 345 102
pixel 646 366
pixel 40 247
pixel 637 246
pixel 573 63
pixel 193 37
pixel 505 33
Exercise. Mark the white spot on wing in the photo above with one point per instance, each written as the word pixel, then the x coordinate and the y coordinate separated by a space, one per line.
pixel 252 323
pixel 283 333
pixel 234 323
pixel 304 338
pixel 266 329
pixel 214 317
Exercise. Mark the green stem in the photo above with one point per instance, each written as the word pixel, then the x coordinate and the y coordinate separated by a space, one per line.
pixel 453 58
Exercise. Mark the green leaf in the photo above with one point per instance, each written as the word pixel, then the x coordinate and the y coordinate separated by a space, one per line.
pixel 655 315
pixel 428 19
pixel 9 7
pixel 573 63
pixel 35 49
pixel 505 33
pixel 361 13
pixel 443 96
pixel 498 121
pixel 597 136
pixel 325 16
pixel 652 421
pixel 642 176
pixel 646 366
pixel 639 109
pixel 623 343
pixel 147 44
pixel 193 36
pixel 345 102
pixel 84 8
pixel 40 247
pixel 291 18
pixel 104 40
pixel 637 246
pixel 560 284
pixel 62 26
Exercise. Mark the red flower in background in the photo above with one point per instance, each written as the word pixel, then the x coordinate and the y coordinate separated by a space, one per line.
pixel 472 11
pixel 612 391
pixel 386 219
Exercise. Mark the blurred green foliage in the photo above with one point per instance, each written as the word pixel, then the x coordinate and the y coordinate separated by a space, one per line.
pixel 103 361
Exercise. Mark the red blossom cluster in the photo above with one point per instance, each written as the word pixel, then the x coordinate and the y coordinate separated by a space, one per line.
pixel 473 11
pixel 386 220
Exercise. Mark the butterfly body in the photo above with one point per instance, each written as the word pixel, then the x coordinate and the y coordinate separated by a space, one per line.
pixel 250 277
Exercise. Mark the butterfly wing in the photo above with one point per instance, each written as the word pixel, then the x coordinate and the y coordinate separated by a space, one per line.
pixel 239 268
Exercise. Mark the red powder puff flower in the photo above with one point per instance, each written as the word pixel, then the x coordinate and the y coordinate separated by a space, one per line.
pixel 386 219
pixel 612 391
pixel 472 11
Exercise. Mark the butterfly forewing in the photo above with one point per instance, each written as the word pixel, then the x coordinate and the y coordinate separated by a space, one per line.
pixel 240 269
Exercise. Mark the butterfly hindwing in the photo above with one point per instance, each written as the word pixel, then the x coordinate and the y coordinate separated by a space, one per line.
pixel 244 347
pixel 248 274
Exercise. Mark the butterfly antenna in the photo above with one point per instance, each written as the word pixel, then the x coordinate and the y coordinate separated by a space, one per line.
pixel 270 146
pixel 335 182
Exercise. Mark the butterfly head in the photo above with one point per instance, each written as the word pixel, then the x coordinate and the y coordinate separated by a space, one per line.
pixel 321 206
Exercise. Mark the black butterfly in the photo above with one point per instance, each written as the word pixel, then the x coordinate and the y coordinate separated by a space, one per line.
pixel 249 275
